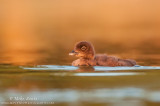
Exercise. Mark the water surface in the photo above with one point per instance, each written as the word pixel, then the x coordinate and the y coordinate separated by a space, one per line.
pixel 84 86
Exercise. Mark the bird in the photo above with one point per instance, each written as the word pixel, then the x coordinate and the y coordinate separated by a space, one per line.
pixel 85 52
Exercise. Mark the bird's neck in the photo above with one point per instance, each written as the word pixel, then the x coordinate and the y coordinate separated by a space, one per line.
pixel 88 57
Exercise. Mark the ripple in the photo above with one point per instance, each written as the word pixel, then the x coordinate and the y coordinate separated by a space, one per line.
pixel 96 68
pixel 107 74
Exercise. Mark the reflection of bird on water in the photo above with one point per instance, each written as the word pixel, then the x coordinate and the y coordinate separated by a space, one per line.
pixel 85 69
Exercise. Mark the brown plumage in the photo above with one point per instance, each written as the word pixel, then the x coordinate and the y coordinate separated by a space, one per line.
pixel 85 52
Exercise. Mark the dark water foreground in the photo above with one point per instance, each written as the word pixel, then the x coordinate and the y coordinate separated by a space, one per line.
pixel 79 86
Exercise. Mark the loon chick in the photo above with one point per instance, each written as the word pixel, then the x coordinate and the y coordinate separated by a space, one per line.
pixel 85 52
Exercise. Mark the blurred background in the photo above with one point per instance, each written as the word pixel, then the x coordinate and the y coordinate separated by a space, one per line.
pixel 44 31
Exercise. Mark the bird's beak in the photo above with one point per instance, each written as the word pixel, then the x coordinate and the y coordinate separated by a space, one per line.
pixel 72 53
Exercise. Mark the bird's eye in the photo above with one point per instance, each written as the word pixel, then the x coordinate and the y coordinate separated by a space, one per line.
pixel 83 48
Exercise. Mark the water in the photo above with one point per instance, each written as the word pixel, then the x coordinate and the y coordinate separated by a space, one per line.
pixel 41 77
pixel 80 86
pixel 35 78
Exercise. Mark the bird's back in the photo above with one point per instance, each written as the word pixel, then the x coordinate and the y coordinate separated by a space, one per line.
pixel 105 60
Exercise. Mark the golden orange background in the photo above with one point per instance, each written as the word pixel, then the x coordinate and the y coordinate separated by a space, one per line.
pixel 44 31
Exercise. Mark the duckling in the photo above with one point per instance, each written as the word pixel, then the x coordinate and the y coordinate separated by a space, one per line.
pixel 84 50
